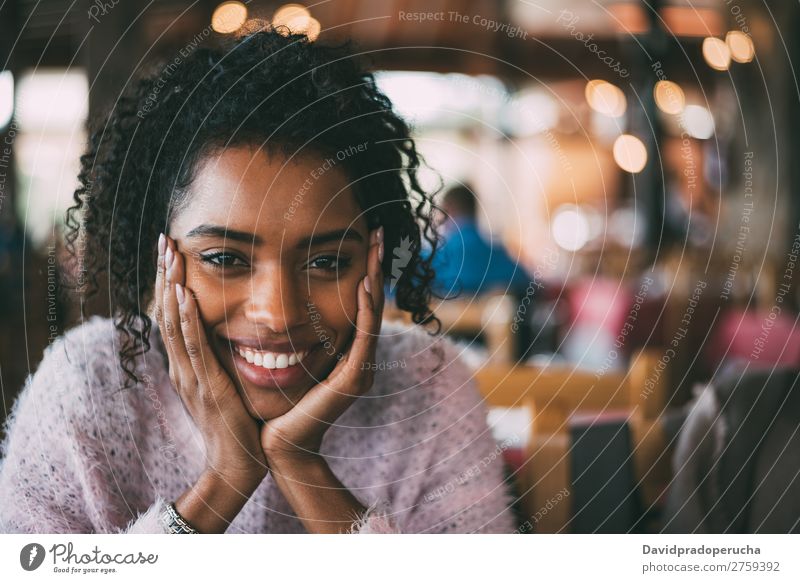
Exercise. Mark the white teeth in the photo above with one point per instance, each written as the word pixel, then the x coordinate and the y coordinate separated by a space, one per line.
pixel 271 360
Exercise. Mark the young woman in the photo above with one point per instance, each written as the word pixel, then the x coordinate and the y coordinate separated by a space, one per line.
pixel 249 198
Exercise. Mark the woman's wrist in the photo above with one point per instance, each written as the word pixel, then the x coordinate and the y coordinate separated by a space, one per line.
pixel 321 502
pixel 215 500
pixel 238 479
pixel 293 461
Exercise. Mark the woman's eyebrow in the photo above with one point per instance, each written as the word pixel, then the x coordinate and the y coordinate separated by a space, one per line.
pixel 322 238
pixel 207 230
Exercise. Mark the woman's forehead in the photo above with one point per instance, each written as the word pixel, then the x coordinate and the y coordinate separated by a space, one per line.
pixel 246 189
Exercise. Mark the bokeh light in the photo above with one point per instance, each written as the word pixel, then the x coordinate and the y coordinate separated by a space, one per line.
pixel 698 121
pixel 228 17
pixel 605 98
pixel 741 46
pixel 296 19
pixel 570 227
pixel 630 153
pixel 669 97
pixel 716 53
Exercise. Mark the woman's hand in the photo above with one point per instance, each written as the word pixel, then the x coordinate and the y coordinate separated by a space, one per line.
pixel 297 435
pixel 231 435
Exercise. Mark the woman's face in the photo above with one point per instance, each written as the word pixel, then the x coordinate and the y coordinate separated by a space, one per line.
pixel 274 252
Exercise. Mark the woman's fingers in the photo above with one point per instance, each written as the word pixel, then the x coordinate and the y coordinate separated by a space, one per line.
pixel 204 362
pixel 160 279
pixel 174 274
pixel 160 305
pixel 361 355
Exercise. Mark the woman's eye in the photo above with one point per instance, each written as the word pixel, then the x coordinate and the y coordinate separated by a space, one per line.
pixel 221 260
pixel 329 262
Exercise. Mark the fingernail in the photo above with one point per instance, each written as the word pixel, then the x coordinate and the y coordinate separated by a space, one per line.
pixel 380 252
pixel 367 285
pixel 162 244
pixel 169 256
pixel 380 234
pixel 180 293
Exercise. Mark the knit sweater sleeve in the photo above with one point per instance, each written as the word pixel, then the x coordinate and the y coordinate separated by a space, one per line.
pixel 51 478
pixel 375 520
pixel 460 486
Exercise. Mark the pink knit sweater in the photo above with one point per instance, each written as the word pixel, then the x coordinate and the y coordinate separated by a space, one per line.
pixel 81 455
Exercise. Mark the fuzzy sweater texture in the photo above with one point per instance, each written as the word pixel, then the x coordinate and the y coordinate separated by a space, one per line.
pixel 83 455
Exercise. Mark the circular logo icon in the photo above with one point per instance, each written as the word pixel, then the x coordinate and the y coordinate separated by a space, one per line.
pixel 31 556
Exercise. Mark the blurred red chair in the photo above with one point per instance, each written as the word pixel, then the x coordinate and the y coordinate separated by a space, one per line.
pixel 756 337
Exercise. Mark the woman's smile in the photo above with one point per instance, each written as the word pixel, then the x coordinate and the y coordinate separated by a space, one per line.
pixel 266 377
pixel 271 365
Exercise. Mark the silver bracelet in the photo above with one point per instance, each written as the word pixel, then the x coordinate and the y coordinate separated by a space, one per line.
pixel 175 523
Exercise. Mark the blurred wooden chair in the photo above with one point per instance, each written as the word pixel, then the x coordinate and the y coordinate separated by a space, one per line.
pixel 553 394
pixel 491 315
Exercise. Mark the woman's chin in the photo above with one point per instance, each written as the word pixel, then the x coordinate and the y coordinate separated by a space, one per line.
pixel 265 405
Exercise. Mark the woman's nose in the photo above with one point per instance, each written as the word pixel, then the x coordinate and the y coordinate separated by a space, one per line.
pixel 275 301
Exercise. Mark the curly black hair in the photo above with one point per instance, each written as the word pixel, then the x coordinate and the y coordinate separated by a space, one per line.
pixel 269 88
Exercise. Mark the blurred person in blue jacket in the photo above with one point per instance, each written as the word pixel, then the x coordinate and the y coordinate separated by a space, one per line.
pixel 467 264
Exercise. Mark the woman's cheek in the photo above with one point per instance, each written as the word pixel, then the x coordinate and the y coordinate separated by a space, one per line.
pixel 208 293
pixel 336 310
pixel 349 310
pixel 351 294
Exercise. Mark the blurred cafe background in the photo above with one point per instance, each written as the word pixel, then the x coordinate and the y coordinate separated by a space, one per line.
pixel 620 201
